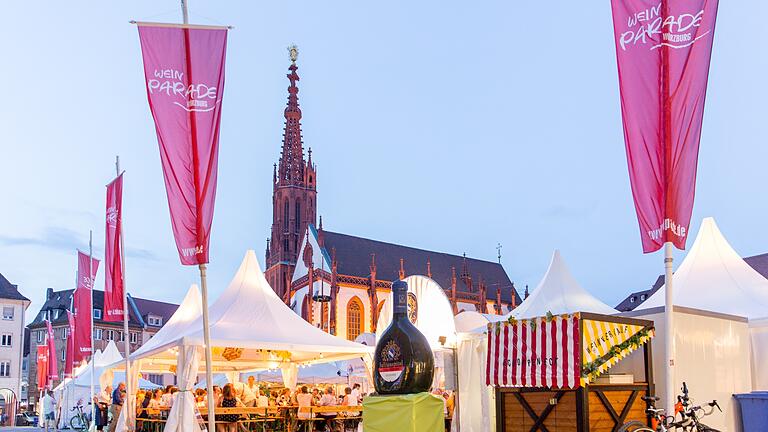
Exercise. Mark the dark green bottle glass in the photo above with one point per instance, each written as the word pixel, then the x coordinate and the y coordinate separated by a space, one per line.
pixel 403 361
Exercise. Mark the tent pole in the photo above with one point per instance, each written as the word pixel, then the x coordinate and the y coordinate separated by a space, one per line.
pixel 90 312
pixel 669 333
pixel 208 355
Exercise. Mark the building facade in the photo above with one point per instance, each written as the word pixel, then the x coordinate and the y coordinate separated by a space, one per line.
pixel 339 282
pixel 146 317
pixel 14 306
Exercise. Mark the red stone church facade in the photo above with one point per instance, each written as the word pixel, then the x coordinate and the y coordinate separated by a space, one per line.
pixel 338 281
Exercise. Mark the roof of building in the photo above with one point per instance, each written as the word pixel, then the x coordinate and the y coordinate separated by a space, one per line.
pixel 353 257
pixel 62 300
pixel 757 262
pixel 9 290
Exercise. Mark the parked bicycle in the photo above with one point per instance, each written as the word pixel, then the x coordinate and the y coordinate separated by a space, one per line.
pixel 690 416
pixel 80 421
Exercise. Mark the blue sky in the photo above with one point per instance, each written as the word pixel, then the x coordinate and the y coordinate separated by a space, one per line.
pixel 450 126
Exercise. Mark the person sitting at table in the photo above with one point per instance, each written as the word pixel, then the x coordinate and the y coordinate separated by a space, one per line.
pixel 200 398
pixel 254 388
pixel 315 396
pixel 155 402
pixel 273 398
pixel 141 407
pixel 174 395
pixel 165 401
pixel 263 401
pixel 285 397
pixel 229 400
pixel 244 393
pixel 304 399
pixel 328 399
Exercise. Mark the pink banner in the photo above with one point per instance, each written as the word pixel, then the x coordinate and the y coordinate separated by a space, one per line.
pixel 81 336
pixel 184 71
pixel 69 356
pixel 42 366
pixel 53 369
pixel 663 50
pixel 113 279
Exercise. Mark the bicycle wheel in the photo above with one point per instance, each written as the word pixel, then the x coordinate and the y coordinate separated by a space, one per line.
pixel 76 423
pixel 635 426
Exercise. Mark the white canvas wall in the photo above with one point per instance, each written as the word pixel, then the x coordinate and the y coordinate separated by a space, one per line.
pixel 712 357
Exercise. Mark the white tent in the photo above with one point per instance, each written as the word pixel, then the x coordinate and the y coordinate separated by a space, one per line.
pixel 250 328
pixel 468 321
pixel 320 373
pixel 715 292
pixel 77 389
pixel 714 277
pixel 434 314
pixel 559 293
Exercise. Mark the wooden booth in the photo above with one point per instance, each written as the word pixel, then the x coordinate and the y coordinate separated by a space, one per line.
pixel 550 372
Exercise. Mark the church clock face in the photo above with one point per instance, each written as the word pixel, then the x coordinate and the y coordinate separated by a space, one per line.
pixel 413 308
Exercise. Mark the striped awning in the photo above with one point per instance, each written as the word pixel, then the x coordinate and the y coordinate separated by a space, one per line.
pixel 562 351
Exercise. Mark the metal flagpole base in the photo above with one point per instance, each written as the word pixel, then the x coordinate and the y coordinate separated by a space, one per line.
pixel 208 354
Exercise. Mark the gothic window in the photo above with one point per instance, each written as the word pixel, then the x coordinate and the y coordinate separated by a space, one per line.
pixel 297 222
pixel 354 318
pixel 285 217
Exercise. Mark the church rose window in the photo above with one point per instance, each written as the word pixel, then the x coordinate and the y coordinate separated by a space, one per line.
pixel 354 318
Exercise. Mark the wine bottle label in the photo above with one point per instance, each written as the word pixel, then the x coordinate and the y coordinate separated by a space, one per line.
pixel 401 302
pixel 391 364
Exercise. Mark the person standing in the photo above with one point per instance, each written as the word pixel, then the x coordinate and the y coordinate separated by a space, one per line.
pixel 118 397
pixel 102 408
pixel 49 410
pixel 356 393
pixel 254 388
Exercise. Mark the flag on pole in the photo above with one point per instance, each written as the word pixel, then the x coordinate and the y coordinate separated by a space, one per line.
pixel 113 279
pixel 53 369
pixel 184 72
pixel 82 333
pixel 42 366
pixel 69 356
pixel 663 50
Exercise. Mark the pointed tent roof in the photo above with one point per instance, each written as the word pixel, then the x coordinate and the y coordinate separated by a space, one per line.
pixel 559 293
pixel 249 316
pixel 714 277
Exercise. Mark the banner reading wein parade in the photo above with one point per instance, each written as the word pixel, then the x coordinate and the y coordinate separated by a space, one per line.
pixel 663 51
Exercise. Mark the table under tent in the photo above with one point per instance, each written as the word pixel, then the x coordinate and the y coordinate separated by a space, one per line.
pixel 558 293
pixel 720 305
pixel 250 329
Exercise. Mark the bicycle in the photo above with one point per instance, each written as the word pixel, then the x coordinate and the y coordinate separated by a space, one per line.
pixel 80 421
pixel 661 422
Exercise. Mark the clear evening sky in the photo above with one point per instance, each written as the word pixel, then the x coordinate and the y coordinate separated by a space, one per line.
pixel 450 126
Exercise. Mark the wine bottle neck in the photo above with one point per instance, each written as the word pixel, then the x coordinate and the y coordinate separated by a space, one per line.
pixel 400 307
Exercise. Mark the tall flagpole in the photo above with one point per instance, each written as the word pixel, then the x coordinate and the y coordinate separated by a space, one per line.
pixel 90 312
pixel 129 398
pixel 204 295
pixel 669 333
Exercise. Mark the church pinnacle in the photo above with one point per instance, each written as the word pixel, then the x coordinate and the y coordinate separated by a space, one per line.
pixel 292 164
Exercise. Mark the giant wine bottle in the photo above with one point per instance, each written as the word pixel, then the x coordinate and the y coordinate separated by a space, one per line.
pixel 403 361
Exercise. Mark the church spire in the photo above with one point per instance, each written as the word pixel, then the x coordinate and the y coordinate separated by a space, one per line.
pixel 292 164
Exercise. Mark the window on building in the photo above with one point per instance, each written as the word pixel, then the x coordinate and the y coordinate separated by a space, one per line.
pixel 297 221
pixel 8 313
pixel 65 333
pixel 63 355
pixel 154 320
pixel 5 340
pixel 97 314
pixel 632 299
pixel 134 337
pixel 354 318
pixel 40 336
pixel 642 297
pixel 98 334
pixel 285 217
pixel 120 336
pixel 5 368
pixel 110 335
pixel 56 314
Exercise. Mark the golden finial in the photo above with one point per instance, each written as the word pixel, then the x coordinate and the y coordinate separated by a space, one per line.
pixel 294 51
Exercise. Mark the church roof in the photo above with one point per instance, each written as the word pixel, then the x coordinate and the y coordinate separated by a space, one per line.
pixel 353 257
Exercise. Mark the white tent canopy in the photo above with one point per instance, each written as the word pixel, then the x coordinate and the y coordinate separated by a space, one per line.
pixel 559 293
pixel 434 314
pixel 714 277
pixel 471 321
pixel 249 321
